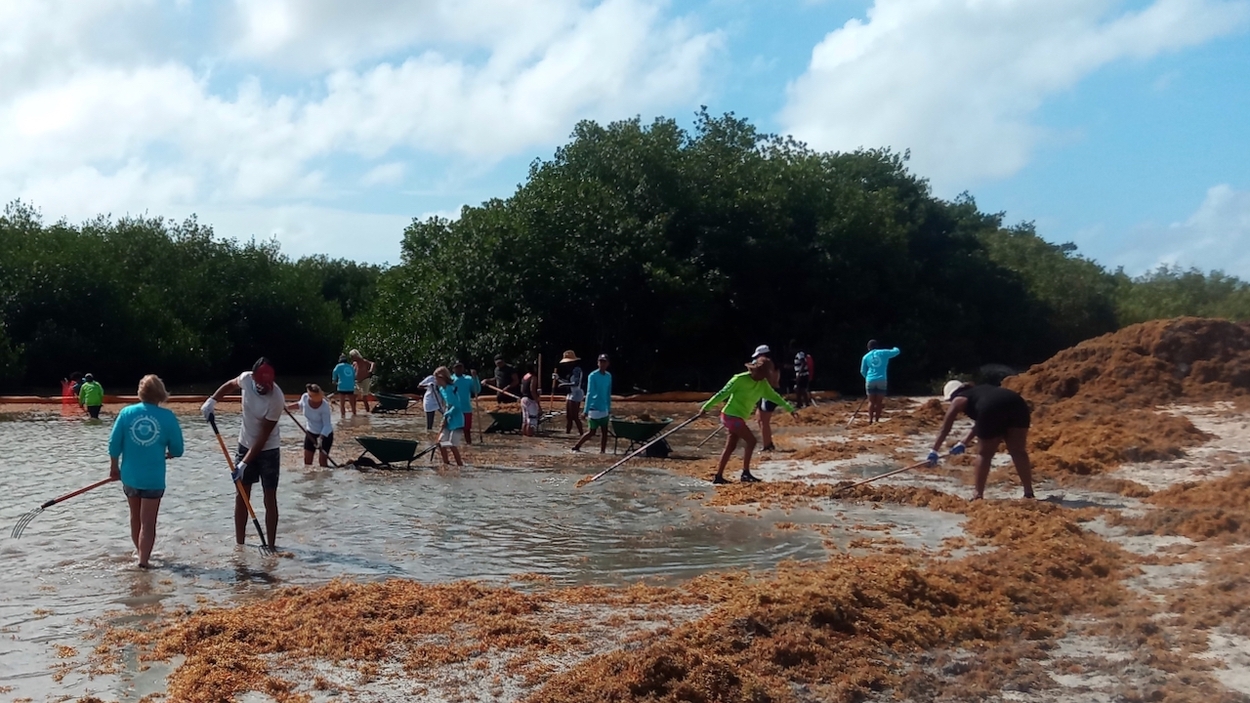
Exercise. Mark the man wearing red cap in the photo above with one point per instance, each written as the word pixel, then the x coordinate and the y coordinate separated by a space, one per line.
pixel 259 452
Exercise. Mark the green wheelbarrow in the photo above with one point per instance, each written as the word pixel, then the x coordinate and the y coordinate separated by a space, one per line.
pixel 504 423
pixel 387 452
pixel 637 432
pixel 390 403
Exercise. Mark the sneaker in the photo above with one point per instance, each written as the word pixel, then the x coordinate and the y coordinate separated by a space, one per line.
pixel 768 448
pixel 748 477
pixel 719 480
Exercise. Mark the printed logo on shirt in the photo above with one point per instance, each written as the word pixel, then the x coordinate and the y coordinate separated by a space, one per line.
pixel 145 431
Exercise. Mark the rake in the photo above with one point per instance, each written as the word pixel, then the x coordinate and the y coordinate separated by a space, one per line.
pixel 26 519
pixel 265 547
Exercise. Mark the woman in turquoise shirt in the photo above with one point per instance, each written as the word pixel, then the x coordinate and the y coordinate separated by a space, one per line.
pixel 143 437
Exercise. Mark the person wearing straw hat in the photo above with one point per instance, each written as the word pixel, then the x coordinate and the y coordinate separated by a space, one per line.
pixel 999 416
pixel 572 381
pixel 144 436
pixel 318 424
pixel 451 432
pixel 741 396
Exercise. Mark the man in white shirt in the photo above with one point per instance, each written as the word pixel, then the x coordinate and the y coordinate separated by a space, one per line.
pixel 260 445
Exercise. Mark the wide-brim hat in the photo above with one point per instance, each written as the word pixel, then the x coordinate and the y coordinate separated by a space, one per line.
pixel 951 388
pixel 569 355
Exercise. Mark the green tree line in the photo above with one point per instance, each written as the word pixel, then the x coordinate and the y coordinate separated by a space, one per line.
pixel 675 250
pixel 124 297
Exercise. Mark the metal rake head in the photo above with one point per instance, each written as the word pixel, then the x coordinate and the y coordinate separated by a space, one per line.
pixel 23 521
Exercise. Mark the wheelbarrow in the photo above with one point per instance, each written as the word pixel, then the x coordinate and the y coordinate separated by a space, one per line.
pixel 637 432
pixel 387 451
pixel 390 402
pixel 504 423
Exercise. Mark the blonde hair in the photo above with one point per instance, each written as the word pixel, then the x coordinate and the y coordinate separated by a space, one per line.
pixel 442 372
pixel 152 389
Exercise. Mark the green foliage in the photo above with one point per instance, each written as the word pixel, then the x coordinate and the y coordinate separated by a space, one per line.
pixel 136 295
pixel 1172 292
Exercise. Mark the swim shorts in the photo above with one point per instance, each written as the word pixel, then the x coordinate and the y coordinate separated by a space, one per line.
pixel 876 387
pixel 1011 412
pixel 767 406
pixel 363 386
pixel 264 469
pixel 451 438
pixel 733 424
pixel 143 492
pixel 310 442
pixel 597 422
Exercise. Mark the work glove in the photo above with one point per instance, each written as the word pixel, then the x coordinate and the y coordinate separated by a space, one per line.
pixel 958 449
pixel 933 459
pixel 208 407
pixel 239 468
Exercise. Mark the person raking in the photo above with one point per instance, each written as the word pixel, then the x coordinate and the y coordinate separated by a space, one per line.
pixel 999 415
pixel 318 424
pixel 740 396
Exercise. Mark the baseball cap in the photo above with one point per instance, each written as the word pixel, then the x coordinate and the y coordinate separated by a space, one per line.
pixel 761 350
pixel 951 387
pixel 603 357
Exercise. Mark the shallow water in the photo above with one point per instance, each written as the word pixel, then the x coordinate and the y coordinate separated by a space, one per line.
pixel 75 562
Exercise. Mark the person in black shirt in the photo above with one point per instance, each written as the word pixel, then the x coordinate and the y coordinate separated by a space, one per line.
pixel 999 416
pixel 506 379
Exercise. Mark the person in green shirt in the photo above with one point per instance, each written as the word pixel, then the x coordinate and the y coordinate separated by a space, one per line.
pixel 740 396
pixel 91 396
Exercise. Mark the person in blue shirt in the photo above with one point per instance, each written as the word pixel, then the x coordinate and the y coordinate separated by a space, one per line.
pixel 873 368
pixel 467 388
pixel 451 434
pixel 344 380
pixel 598 405
pixel 144 435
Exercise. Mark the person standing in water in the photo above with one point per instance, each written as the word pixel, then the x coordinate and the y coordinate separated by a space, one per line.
pixel 344 379
pixel 259 456
pixel 91 396
pixel 999 416
pixel 364 377
pixel 740 396
pixel 144 435
pixel 873 368
pixel 467 388
pixel 451 433
pixel 318 424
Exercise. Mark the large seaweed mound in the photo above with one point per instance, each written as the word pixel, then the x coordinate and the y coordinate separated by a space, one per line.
pixel 1096 404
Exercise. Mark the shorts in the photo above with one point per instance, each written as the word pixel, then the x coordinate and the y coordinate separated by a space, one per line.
pixel 876 387
pixel 733 424
pixel 767 406
pixel 529 411
pixel 802 383
pixel 363 386
pixel 149 493
pixel 451 438
pixel 310 442
pixel 597 422
pixel 264 469
pixel 997 418
pixel 346 390
pixel 94 411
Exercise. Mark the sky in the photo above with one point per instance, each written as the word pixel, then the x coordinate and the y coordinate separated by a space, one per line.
pixel 1120 126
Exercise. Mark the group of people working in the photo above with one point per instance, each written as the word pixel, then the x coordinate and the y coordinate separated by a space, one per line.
pixel 145 435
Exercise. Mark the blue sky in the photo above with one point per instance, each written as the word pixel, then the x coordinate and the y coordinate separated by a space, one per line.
pixel 1117 125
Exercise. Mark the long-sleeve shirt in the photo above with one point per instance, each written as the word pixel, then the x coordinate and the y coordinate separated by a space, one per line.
pixel 141 435
pixel 574 385
pixel 91 394
pixel 451 412
pixel 319 420
pixel 467 388
pixel 875 363
pixel 598 394
pixel 743 393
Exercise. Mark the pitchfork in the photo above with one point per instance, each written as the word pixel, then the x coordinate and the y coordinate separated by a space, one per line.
pixel 25 520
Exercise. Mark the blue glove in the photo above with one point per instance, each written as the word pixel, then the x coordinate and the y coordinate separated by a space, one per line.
pixel 958 449
pixel 933 459
pixel 239 468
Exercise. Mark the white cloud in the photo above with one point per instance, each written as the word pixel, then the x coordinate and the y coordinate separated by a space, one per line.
pixel 88 125
pixel 958 81
pixel 1215 236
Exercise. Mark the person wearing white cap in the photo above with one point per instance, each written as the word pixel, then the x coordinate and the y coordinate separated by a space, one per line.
pixel 766 407
pixel 999 416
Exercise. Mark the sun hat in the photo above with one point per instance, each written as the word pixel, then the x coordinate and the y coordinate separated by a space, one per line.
pixel 569 355
pixel 761 350
pixel 951 387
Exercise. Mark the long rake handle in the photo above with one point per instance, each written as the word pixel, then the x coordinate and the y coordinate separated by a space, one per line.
pixel 80 491
pixel 319 447
pixel 642 449
pixel 709 437
pixel 884 475
pixel 500 390
pixel 856 413
pixel 212 420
